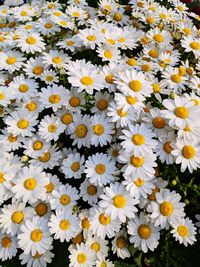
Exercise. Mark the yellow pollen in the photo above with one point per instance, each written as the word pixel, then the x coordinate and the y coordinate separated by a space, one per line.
pixel 31 40
pixel 181 112
pixel 121 113
pixel 167 147
pixel 144 231
pixel 98 129
pixel 57 60
pixel 75 166
pixel 187 31
pixel 37 145
pixel 22 124
pixel 76 14
pixel 187 129
pixel 136 161
pixel 138 139
pixel 183 230
pixel 109 78
pixel 31 106
pixel 195 101
pixel 176 78
pixel 85 223
pixel 65 225
pixel 117 17
pixel 23 13
pixel 91 37
pixel 67 118
pixel 158 122
pixel 52 128
pixel 2 177
pixel 54 99
pixel 195 45
pixel 131 100
pixel 70 42
pixel 65 200
pixel 95 246
pixel 11 60
pixel 49 78
pixel 150 20
pixel 17 217
pixel 181 71
pixel 2 96
pixel 189 71
pixel 30 184
pixel 87 80
pixel 46 157
pixel 131 62
pixel 63 23
pixel 92 190
pixel 121 242
pixel 105 220
pixel 108 54
pixel 36 235
pixel 23 88
pixel 158 38
pixel 81 131
pixel 49 187
pixel 48 25
pixel 74 101
pixel 135 85
pixel 180 8
pixel 12 138
pixel 119 201
pixel 57 14
pixel 6 242
pixel 188 152
pixel 156 87
pixel 81 258
pixel 28 27
pixel 166 208
pixel 163 16
pixel 146 67
pixel 100 169
pixel 41 209
pixel 153 53
pixel 102 104
pixel 139 182
pixel 38 70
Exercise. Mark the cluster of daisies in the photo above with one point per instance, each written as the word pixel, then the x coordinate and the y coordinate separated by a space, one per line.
pixel 92 102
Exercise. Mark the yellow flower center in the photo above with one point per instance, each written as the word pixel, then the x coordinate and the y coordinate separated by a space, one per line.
pixel 46 157
pixel 65 200
pixel 188 152
pixel 2 96
pixel 150 20
pixel 181 71
pixel 121 113
pixel 77 239
pixel 91 37
pixel 87 80
pixel 109 78
pixel 11 60
pixel 121 40
pixel 100 169
pixel 183 230
pixel 81 131
pixel 54 99
pixel 37 145
pixel 146 67
pixel 131 100
pixel 104 264
pixel 135 85
pixel 158 122
pixel 81 258
pixel 76 14
pixel 95 246
pixel 49 187
pixel 38 70
pixel 70 43
pixel 187 129
pixel 31 40
pixel 92 190
pixel 30 184
pixel 195 45
pixel 139 182
pixel 63 23
pixel 156 87
pixel 41 209
pixel 17 217
pixel 67 118
pixel 108 54
pixel 102 104
pixel 105 220
pixel 23 13
pixel 36 235
pixel 136 161
pixel 176 78
pixel 74 101
pixel 6 242
pixel 181 112
pixel 75 166
pixel 144 231
pixel 131 62
pixel 85 223
pixel 65 225
pixel 166 208
pixel 37 256
pixel 153 53
pixel 195 101
pixel 117 17
pixel 2 177
pixel 12 138
pixel 167 147
pixel 98 129
pixel 23 88
pixel 152 196
pixel 187 31
pixel 121 242
pixel 119 201
pixel 158 38
pixel 57 60
pixel 48 25
pixel 52 128
pixel 22 124
pixel 138 139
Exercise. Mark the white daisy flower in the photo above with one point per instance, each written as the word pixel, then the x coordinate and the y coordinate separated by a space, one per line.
pixel 12 61
pixel 31 43
pixel 81 256
pixel 73 166
pixel 34 67
pixel 191 44
pixel 8 246
pixel 35 146
pixel 58 59
pixel 120 246
pixel 6 95
pixel 49 77
pixel 90 192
